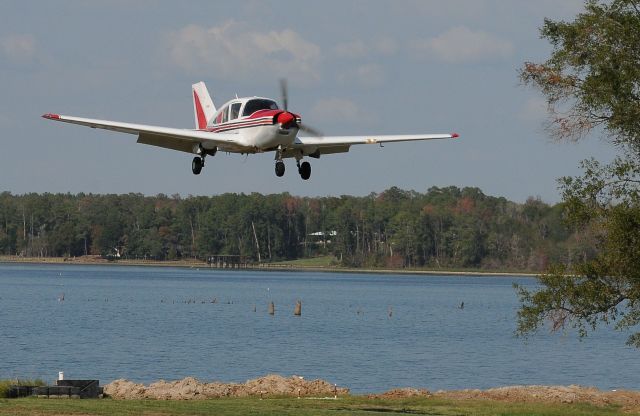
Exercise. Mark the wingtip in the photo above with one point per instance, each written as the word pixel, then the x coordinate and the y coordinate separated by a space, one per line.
pixel 454 135
pixel 51 116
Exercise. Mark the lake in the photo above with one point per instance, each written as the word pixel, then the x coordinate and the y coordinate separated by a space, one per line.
pixel 368 332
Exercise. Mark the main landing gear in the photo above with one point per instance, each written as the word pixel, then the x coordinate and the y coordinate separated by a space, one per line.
pixel 279 168
pixel 197 164
pixel 304 169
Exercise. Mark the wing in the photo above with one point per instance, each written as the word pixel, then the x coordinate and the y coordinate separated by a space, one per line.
pixel 316 146
pixel 170 138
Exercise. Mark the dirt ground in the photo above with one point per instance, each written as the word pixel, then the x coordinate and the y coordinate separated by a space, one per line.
pixel 191 388
pixel 551 394
pixel 628 400
pixel 275 385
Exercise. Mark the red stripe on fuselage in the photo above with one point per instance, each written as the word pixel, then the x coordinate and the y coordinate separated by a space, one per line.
pixel 241 125
pixel 264 113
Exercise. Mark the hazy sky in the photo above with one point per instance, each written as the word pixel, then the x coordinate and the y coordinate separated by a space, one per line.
pixel 354 67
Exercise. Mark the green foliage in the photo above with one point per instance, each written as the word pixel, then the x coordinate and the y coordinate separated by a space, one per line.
pixel 606 287
pixel 6 384
pixel 442 228
pixel 591 80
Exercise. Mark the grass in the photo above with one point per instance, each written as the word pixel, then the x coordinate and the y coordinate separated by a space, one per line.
pixel 292 406
pixel 5 384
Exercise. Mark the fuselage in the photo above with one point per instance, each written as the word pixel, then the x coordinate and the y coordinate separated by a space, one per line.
pixel 258 123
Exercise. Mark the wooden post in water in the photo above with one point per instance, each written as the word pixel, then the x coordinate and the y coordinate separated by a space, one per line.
pixel 297 311
pixel 272 308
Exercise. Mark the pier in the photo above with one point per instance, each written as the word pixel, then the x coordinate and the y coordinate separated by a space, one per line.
pixel 229 261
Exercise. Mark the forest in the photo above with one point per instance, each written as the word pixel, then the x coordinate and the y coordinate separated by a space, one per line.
pixel 443 228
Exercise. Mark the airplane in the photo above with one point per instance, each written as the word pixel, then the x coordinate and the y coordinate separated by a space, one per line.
pixel 244 125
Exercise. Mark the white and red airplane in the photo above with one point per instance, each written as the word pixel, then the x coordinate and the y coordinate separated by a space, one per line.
pixel 243 125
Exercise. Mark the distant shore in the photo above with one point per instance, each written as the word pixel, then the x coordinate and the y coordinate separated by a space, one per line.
pixel 193 263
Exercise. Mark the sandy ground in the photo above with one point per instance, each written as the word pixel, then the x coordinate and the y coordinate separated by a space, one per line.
pixel 628 400
pixel 275 385
pixel 191 388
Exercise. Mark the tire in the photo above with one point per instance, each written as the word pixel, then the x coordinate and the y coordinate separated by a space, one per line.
pixel 196 165
pixel 279 168
pixel 305 170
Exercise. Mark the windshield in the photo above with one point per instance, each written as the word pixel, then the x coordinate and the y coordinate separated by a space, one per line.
pixel 258 104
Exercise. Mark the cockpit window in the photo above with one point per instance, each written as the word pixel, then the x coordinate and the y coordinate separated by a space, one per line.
pixel 258 104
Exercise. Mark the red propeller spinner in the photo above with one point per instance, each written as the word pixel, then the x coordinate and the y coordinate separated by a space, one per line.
pixel 287 119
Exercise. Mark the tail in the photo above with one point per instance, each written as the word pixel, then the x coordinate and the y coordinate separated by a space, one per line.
pixel 202 105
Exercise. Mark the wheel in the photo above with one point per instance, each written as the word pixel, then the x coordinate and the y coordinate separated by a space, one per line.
pixel 196 165
pixel 279 168
pixel 305 170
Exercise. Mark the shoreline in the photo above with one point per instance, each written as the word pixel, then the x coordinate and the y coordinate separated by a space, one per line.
pixel 274 385
pixel 269 267
pixel 191 397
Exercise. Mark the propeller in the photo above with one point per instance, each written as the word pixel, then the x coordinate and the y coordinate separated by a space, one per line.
pixel 310 130
pixel 285 103
pixel 284 94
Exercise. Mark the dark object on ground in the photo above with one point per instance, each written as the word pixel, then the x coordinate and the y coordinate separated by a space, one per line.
pixel 20 391
pixel 74 389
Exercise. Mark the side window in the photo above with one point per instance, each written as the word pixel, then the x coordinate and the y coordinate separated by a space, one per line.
pixel 235 111
pixel 222 116
pixel 218 119
pixel 225 114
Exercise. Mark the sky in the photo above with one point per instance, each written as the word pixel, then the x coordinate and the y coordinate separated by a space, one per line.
pixel 354 67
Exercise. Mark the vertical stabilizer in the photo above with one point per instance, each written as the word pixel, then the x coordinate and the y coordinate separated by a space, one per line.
pixel 203 107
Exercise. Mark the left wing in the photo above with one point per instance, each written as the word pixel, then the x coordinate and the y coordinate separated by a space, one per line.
pixel 167 137
pixel 316 146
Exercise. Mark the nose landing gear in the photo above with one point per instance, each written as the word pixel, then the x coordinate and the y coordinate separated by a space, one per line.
pixel 304 168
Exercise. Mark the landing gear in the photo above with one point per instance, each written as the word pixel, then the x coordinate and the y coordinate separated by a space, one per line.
pixel 197 164
pixel 279 168
pixel 304 169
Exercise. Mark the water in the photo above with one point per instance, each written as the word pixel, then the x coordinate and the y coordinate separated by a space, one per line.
pixel 146 324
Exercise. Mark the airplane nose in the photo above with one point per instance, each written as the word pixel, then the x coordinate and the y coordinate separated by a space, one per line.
pixel 285 119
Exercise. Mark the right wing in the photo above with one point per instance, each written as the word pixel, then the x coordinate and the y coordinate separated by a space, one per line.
pixel 170 138
pixel 316 146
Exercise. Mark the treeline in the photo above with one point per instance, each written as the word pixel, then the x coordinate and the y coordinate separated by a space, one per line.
pixel 442 228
